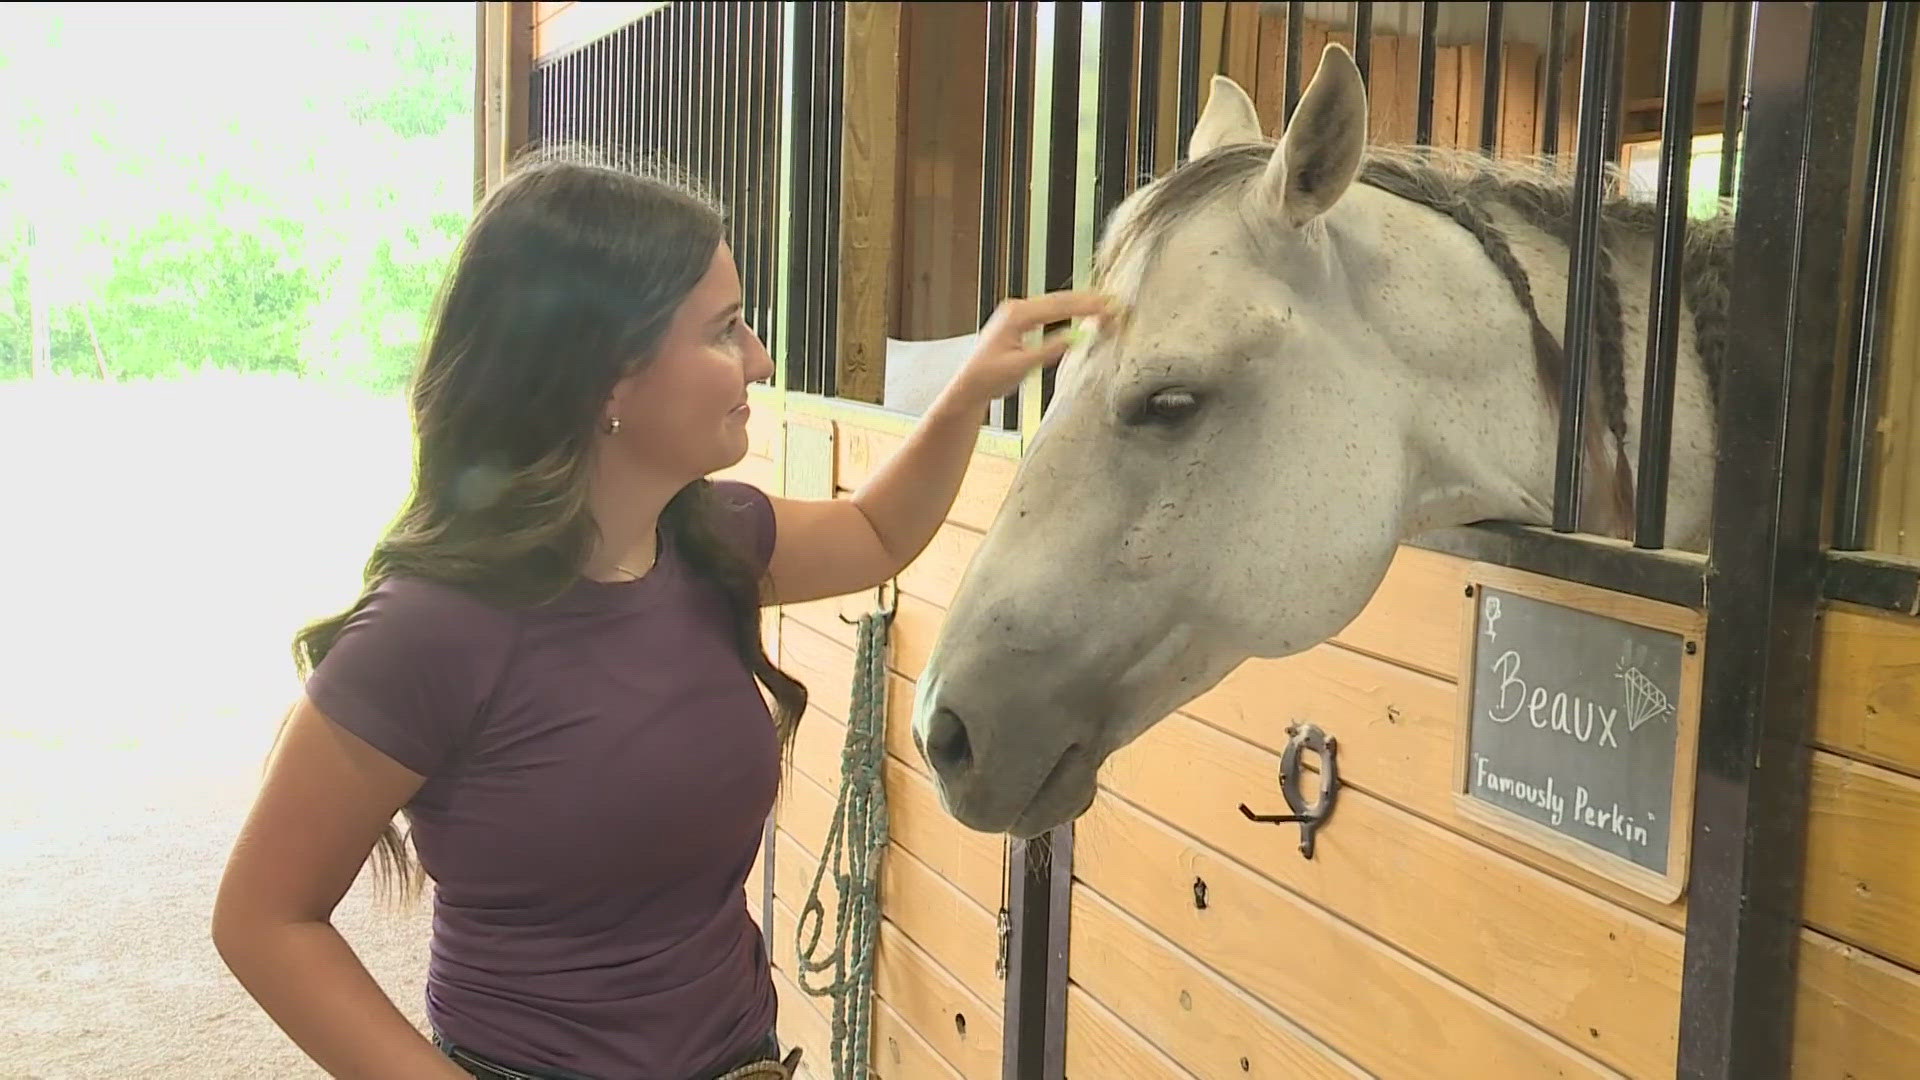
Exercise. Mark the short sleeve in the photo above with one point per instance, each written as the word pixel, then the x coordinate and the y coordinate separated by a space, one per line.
pixel 411 671
pixel 746 521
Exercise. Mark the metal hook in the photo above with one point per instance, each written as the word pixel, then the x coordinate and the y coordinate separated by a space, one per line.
pixel 884 606
pixel 1309 818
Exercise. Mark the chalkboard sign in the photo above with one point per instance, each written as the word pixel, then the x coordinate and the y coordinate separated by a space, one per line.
pixel 1580 714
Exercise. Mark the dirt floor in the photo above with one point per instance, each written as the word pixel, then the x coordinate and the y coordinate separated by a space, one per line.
pixel 161 544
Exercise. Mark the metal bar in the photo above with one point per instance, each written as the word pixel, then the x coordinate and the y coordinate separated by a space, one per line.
pixel 1187 104
pixel 1492 76
pixel 1596 103
pixel 1363 40
pixel 830 243
pixel 1039 895
pixel 1875 581
pixel 1766 567
pixel 1063 160
pixel 1663 302
pixel 1018 243
pixel 1111 102
pixel 773 38
pixel 1556 74
pixel 1737 42
pixel 1296 44
pixel 799 312
pixel 1429 51
pixel 1671 577
pixel 1147 94
pixel 993 144
pixel 1617 86
pixel 1878 232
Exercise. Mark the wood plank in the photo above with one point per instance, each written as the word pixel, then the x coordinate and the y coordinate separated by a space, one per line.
pixel 1856 1016
pixel 870 148
pixel 1270 88
pixel 898 1052
pixel 1204 1022
pixel 928 1002
pixel 942 1014
pixel 1241 49
pixel 1863 857
pixel 864 450
pixel 1396 729
pixel 1101 1047
pixel 802 1024
pixel 1519 86
pixel 916 818
pixel 1446 95
pixel 1867 702
pixel 1335 981
pixel 1497 925
pixel 955 932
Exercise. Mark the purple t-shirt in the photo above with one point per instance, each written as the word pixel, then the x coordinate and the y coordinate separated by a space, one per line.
pixel 599 771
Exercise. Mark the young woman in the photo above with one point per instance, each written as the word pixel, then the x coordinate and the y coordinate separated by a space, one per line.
pixel 552 669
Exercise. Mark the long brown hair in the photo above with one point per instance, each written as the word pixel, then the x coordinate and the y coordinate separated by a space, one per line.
pixel 565 282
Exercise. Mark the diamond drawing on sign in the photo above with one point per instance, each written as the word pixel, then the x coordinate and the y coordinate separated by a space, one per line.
pixel 1643 700
pixel 1492 613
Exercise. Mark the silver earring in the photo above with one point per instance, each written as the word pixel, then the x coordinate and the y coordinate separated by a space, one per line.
pixel 613 425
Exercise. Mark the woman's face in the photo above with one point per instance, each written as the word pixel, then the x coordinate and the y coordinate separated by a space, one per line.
pixel 684 416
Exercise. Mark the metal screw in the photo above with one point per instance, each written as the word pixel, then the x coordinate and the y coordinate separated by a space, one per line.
pixel 1692 647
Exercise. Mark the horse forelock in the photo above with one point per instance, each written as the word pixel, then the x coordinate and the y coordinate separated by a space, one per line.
pixel 1466 187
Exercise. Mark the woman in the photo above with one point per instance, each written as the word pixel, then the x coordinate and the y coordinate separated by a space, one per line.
pixel 552 669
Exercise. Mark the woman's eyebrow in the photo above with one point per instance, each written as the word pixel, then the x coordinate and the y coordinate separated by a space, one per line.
pixel 726 314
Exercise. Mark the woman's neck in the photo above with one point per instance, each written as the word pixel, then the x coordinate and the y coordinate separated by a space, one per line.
pixel 627 511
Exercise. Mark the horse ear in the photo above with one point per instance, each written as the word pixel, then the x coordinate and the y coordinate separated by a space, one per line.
pixel 1320 152
pixel 1228 119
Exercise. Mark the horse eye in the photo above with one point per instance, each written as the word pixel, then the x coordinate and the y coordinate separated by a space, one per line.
pixel 1166 408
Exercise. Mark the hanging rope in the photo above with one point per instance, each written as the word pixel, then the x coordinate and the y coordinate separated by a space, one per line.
pixel 856 843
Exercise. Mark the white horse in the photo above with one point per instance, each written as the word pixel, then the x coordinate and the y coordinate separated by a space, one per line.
pixel 1327 349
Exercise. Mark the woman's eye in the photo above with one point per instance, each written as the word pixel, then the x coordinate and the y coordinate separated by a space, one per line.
pixel 1166 408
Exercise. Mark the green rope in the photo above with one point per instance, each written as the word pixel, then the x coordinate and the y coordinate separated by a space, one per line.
pixel 855 845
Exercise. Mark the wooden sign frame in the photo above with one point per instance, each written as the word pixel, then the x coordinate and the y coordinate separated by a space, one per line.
pixel 1636 610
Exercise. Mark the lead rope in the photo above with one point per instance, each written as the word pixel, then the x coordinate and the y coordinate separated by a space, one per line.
pixel 856 843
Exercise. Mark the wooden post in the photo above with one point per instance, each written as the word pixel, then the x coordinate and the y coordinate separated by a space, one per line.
pixel 870 142
pixel 502 73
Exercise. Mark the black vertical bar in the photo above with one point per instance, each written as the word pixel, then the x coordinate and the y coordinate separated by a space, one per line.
pixel 774 34
pixel 1736 109
pixel 1878 232
pixel 1039 894
pixel 830 246
pixel 1764 568
pixel 1187 104
pixel 1020 172
pixel 1556 73
pixel 1663 304
pixel 1110 110
pixel 1596 103
pixel 1147 93
pixel 1063 158
pixel 800 196
pixel 993 147
pixel 1363 40
pixel 1492 76
pixel 1296 44
pixel 1617 84
pixel 1429 52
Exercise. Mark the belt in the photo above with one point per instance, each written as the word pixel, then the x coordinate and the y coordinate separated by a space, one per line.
pixel 765 1065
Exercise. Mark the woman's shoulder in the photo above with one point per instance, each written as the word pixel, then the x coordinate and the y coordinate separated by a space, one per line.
pixel 433 615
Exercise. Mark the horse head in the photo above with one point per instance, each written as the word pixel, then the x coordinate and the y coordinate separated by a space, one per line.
pixel 1305 372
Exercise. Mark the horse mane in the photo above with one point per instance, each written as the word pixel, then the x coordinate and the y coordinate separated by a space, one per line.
pixel 1466 187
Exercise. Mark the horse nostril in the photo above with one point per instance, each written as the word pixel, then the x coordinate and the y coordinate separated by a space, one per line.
pixel 948 749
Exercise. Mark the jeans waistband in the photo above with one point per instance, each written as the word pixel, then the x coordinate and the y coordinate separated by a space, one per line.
pixel 482 1068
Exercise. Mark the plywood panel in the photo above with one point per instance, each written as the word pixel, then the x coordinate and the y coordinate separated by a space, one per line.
pixel 1857 1017
pixel 1101 1047
pixel 1201 1020
pixel 1497 925
pixel 943 61
pixel 1385 1012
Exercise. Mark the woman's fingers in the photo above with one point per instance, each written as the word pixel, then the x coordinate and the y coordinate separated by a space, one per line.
pixel 1031 313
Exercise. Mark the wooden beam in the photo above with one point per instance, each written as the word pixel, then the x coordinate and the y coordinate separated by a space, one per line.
pixel 503 73
pixel 870 147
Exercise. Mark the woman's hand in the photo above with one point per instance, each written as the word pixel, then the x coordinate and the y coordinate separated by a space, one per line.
pixel 1004 358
